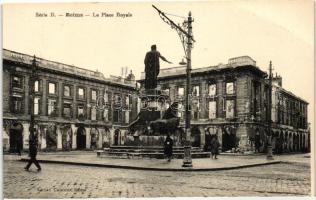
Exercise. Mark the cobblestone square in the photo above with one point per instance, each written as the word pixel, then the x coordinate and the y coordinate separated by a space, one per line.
pixel 67 181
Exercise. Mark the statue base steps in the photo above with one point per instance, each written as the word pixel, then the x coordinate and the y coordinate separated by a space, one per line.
pixel 149 152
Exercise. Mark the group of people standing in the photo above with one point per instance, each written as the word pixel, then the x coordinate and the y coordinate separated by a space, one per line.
pixel 212 145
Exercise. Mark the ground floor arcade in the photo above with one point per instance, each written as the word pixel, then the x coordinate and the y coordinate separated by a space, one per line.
pixel 61 136
pixel 246 136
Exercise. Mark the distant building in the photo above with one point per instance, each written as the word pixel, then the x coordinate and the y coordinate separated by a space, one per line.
pixel 74 108
pixel 289 113
pixel 230 100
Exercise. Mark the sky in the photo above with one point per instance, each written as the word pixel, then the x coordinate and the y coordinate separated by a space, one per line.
pixel 281 31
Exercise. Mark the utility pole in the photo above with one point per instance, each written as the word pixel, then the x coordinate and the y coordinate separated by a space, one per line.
pixel 33 78
pixel 187 40
pixel 187 162
pixel 269 145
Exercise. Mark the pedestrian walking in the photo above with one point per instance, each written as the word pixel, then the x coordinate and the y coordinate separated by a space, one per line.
pixel 19 147
pixel 32 154
pixel 214 147
pixel 168 147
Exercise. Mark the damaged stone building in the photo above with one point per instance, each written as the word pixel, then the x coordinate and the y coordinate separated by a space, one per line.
pixel 231 100
pixel 74 108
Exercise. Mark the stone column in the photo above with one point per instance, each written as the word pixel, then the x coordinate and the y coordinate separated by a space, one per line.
pixel 74 107
pixel 26 97
pixel 111 138
pixel 202 107
pixel 6 90
pixel 299 141
pixel 59 138
pixel 89 106
pixel 88 137
pixel 43 146
pixel 292 141
pixel 26 133
pixel 242 97
pixel 220 86
pixel 6 137
pixel 219 135
pixel 100 139
pixel 74 136
pixel 242 134
pixel 44 98
pixel 202 136
pixel 60 100
pixel 122 135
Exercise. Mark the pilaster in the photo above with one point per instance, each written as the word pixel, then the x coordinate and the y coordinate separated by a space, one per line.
pixel 74 136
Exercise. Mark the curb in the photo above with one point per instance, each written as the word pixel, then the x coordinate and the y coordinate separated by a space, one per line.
pixel 151 168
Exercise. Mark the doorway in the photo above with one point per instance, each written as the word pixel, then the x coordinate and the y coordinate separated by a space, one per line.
pixel 16 138
pixel 116 136
pixel 196 134
pixel 81 138
pixel 229 139
pixel 51 138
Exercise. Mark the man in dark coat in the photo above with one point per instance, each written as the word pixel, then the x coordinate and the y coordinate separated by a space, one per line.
pixel 168 147
pixel 214 147
pixel 257 143
pixel 152 67
pixel 32 153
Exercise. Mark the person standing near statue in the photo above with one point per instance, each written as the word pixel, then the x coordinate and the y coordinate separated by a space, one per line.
pixel 214 147
pixel 152 67
pixel 168 150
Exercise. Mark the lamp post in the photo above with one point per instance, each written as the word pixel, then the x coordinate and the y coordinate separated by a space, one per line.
pixel 187 160
pixel 33 78
pixel 269 145
pixel 187 40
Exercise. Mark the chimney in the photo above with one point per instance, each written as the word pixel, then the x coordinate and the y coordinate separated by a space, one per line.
pixel 277 80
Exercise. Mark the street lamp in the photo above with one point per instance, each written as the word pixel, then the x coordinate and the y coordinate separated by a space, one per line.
pixel 187 40
pixel 33 78
pixel 182 62
pixel 187 160
pixel 269 145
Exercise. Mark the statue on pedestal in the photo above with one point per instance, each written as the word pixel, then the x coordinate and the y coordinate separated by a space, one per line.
pixel 152 67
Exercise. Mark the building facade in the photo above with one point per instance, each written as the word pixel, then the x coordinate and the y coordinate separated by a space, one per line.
pixel 289 115
pixel 231 100
pixel 74 108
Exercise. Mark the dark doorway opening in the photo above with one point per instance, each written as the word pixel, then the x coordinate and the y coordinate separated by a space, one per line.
pixel 229 139
pixel 16 138
pixel 81 138
pixel 51 138
pixel 116 136
pixel 196 134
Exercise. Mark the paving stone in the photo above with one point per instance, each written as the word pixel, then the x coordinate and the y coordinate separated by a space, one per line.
pixel 67 181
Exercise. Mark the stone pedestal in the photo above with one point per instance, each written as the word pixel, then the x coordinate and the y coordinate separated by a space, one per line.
pixel 153 100
pixel 153 107
pixel 187 159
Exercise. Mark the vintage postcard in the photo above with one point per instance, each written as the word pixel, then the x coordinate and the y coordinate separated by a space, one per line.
pixel 158 99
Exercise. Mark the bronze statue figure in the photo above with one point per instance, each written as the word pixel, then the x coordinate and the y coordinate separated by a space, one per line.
pixel 152 67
